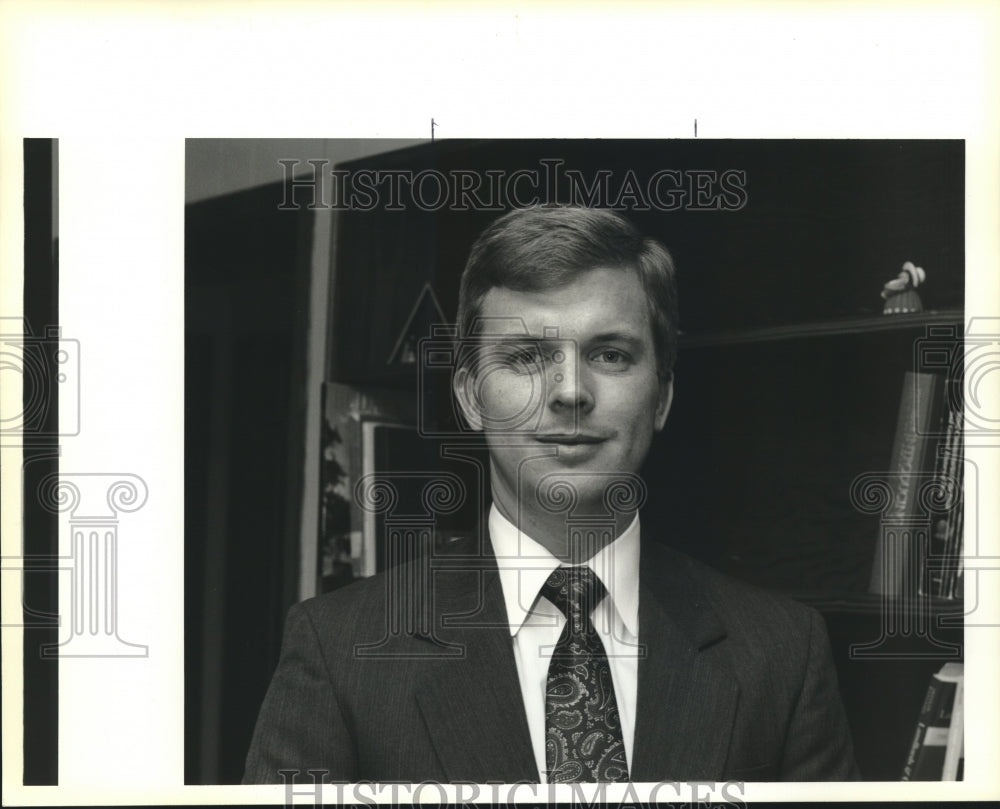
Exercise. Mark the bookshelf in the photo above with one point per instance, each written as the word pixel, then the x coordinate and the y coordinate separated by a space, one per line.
pixel 788 379
pixel 858 325
pixel 758 485
pixel 831 601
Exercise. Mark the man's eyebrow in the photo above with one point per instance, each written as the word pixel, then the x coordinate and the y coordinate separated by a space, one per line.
pixel 511 339
pixel 616 337
pixel 604 337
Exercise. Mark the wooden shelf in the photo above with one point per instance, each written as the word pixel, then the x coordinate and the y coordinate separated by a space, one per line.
pixel 855 325
pixel 872 603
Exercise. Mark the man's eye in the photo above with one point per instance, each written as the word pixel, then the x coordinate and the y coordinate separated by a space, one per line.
pixel 523 358
pixel 611 356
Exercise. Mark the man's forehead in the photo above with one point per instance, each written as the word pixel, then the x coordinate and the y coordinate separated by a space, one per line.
pixel 602 299
pixel 512 326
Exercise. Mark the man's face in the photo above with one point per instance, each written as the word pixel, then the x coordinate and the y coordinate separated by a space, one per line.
pixel 577 399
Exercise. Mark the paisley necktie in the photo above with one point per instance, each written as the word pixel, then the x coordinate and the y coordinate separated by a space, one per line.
pixel 583 735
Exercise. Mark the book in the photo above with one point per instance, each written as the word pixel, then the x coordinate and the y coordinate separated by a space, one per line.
pixel 902 544
pixel 957 588
pixel 933 583
pixel 944 541
pixel 954 751
pixel 953 549
pixel 928 750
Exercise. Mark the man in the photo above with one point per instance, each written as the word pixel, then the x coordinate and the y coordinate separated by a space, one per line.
pixel 543 650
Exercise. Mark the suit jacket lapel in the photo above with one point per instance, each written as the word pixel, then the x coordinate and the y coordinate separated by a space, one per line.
pixel 472 702
pixel 687 695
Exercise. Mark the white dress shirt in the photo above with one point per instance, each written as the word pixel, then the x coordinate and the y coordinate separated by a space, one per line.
pixel 535 623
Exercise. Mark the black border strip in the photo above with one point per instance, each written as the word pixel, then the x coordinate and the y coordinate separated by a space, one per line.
pixel 40 594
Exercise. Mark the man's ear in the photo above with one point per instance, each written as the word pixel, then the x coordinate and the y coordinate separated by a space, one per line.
pixel 663 402
pixel 463 385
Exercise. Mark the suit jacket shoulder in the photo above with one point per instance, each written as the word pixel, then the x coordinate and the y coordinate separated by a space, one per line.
pixel 393 678
pixel 789 722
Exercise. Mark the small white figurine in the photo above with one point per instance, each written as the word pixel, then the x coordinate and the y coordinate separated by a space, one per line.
pixel 901 292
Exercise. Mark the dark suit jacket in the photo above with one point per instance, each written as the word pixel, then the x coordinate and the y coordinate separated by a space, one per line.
pixel 736 683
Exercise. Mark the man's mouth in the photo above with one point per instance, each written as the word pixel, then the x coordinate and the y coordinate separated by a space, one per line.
pixel 569 439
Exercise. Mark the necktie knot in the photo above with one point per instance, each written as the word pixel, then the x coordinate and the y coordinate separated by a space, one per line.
pixel 575 591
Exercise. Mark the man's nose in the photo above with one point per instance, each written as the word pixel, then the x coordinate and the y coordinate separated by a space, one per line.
pixel 567 384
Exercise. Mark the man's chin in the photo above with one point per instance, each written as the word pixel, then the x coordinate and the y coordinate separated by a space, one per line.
pixel 584 489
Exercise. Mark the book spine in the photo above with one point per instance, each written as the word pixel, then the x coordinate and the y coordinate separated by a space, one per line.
pixel 957 589
pixel 921 729
pixel 956 736
pixel 942 530
pixel 932 584
pixel 927 751
pixel 953 551
pixel 896 569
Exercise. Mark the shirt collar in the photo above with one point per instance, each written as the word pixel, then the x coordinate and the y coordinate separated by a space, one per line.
pixel 524 565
